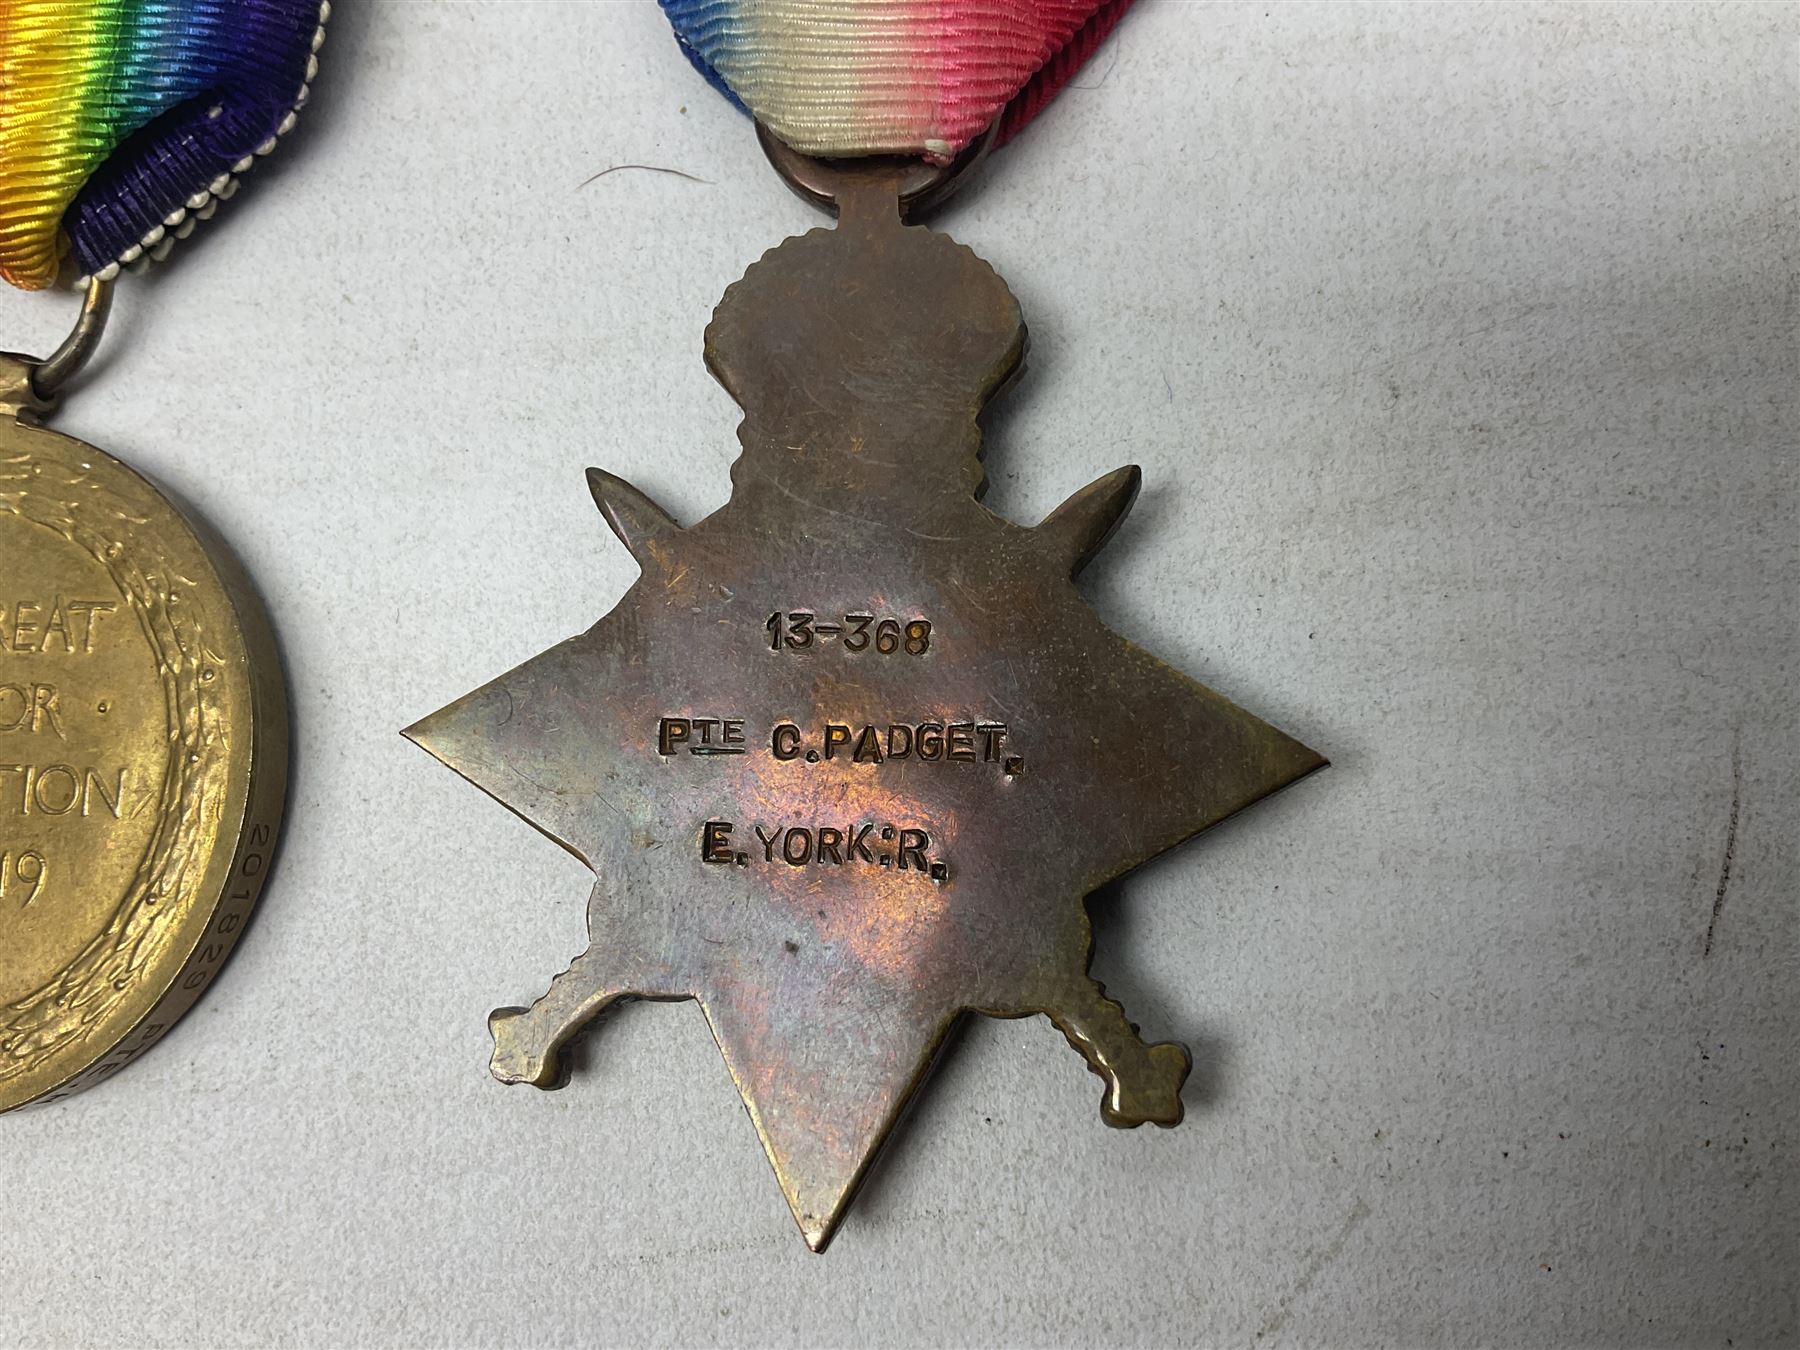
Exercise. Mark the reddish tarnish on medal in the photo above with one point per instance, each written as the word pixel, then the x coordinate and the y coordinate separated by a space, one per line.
pixel 850 755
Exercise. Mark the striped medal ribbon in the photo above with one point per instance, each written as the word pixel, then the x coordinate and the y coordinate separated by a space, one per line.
pixel 841 78
pixel 124 121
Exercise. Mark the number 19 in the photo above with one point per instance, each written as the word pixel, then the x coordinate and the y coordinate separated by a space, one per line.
pixel 22 872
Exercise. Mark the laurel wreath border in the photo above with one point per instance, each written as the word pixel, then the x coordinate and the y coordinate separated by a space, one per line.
pixel 74 501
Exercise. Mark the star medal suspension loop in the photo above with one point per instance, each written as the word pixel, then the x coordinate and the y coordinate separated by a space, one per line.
pixel 850 755
pixel 143 721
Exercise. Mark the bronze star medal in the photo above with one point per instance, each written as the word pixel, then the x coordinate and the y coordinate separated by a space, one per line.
pixel 851 753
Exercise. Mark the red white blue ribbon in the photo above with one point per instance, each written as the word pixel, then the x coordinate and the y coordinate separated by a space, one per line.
pixel 909 77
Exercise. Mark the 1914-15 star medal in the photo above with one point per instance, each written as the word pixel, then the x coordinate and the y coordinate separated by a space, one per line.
pixel 850 755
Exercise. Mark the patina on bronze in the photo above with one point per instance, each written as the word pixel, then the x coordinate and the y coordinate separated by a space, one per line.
pixel 850 755
pixel 143 747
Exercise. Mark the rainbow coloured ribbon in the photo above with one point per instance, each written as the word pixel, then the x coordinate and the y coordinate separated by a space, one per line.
pixel 120 120
pixel 906 77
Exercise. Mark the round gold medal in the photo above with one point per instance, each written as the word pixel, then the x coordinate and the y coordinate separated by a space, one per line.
pixel 143 756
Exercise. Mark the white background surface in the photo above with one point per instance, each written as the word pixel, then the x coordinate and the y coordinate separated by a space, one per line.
pixel 1459 348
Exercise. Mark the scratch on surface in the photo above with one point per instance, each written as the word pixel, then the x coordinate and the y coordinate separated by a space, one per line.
pixel 524 777
pixel 1436 344
pixel 1731 829
pixel 610 806
pixel 807 502
pixel 729 1249
pixel 1314 1265
pixel 1105 75
pixel 971 599
pixel 646 168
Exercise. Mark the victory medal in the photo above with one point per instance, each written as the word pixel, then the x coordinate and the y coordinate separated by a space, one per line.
pixel 849 756
pixel 143 722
